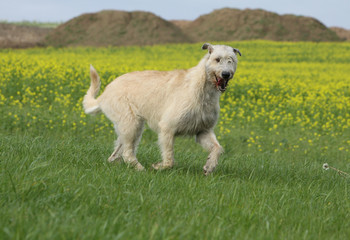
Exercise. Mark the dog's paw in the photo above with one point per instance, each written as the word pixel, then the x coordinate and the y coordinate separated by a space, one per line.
pixel 114 159
pixel 162 166
pixel 136 165
pixel 208 168
pixel 139 167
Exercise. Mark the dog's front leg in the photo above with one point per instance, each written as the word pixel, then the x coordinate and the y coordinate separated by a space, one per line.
pixel 166 142
pixel 209 142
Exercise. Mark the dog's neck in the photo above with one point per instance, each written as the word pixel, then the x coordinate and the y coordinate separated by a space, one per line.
pixel 202 84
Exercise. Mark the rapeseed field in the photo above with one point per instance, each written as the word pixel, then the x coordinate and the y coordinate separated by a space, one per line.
pixel 278 86
pixel 285 114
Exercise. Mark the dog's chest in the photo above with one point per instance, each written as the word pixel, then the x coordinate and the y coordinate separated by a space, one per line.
pixel 199 118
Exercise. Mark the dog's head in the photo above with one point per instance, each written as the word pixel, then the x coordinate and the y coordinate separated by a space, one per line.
pixel 221 64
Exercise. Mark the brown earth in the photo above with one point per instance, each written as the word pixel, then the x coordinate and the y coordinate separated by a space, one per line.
pixel 181 23
pixel 233 24
pixel 341 32
pixel 15 36
pixel 115 28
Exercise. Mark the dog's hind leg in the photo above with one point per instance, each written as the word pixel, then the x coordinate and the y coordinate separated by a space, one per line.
pixel 128 126
pixel 209 142
pixel 117 153
pixel 130 135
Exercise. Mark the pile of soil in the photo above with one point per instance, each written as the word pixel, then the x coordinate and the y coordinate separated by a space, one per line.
pixel 341 32
pixel 116 28
pixel 15 36
pixel 233 24
pixel 119 28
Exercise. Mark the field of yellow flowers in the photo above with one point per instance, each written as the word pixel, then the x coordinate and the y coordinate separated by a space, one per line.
pixel 279 89
pixel 285 114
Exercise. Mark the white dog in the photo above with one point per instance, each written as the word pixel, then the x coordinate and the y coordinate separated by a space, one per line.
pixel 179 102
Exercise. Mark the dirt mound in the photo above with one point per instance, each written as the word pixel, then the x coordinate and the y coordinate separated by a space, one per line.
pixel 115 28
pixel 181 23
pixel 234 24
pixel 14 36
pixel 341 32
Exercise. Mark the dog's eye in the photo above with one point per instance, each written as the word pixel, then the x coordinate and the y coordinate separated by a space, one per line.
pixel 218 60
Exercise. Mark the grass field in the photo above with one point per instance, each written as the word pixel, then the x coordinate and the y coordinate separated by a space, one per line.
pixel 35 24
pixel 286 112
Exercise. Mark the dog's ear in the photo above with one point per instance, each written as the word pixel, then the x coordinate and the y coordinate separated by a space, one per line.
pixel 208 46
pixel 235 50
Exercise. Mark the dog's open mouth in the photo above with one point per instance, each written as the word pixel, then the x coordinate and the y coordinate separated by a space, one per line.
pixel 221 83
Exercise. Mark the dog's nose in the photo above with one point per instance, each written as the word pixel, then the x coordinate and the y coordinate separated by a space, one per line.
pixel 225 74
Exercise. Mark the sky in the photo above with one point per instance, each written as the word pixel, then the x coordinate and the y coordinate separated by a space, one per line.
pixel 329 12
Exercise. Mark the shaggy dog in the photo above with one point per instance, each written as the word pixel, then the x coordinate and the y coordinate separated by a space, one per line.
pixel 179 102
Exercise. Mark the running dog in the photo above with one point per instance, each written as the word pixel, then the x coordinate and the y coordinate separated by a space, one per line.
pixel 172 103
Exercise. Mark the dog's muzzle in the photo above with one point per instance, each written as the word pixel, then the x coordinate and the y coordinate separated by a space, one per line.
pixel 222 81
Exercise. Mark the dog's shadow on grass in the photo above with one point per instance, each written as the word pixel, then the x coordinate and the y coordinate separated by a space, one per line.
pixel 235 171
pixel 254 172
pixel 245 167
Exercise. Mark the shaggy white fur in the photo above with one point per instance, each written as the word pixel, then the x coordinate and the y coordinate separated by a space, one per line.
pixel 179 102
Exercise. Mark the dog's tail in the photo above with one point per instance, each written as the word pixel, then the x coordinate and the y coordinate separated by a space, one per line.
pixel 90 102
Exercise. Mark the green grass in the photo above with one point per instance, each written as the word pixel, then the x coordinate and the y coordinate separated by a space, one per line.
pixel 62 188
pixel 56 183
